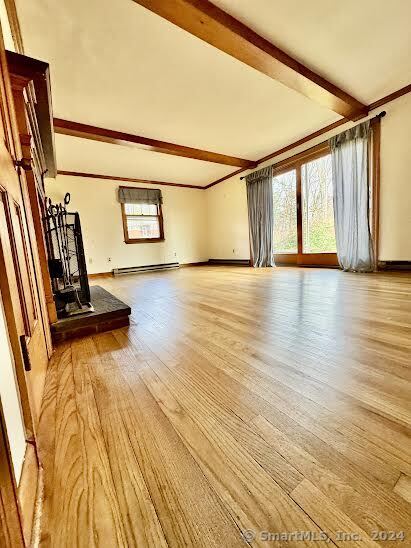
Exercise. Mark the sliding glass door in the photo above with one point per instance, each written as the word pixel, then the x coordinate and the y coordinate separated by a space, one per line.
pixel 285 212
pixel 303 213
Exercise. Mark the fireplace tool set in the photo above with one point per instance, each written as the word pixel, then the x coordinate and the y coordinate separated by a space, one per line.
pixel 67 264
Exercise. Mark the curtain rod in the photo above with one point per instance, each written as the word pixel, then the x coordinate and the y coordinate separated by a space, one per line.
pixel 378 116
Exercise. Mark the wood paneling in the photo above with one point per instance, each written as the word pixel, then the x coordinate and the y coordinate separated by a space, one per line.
pixel 243 399
pixel 94 133
pixel 221 30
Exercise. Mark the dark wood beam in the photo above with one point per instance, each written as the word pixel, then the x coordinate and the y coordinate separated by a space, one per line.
pixel 125 179
pixel 390 97
pixel 94 133
pixel 226 177
pixel 216 27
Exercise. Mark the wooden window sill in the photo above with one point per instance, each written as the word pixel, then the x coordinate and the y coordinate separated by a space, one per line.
pixel 144 241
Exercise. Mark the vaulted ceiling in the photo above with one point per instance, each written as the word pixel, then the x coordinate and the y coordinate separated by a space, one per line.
pixel 116 65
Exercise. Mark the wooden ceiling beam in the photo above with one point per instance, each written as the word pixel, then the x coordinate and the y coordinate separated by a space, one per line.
pixel 125 179
pixel 216 27
pixel 76 129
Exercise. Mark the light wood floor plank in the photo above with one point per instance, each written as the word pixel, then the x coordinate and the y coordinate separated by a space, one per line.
pixel 46 440
pixel 252 496
pixel 103 515
pixel 139 518
pixel 240 401
pixel 189 511
pixel 277 391
pixel 343 531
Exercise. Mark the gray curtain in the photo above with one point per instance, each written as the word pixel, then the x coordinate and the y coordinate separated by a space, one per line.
pixel 130 195
pixel 350 167
pixel 260 216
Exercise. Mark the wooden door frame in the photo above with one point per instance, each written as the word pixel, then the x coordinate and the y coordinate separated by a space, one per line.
pixel 33 214
pixel 11 191
pixel 8 296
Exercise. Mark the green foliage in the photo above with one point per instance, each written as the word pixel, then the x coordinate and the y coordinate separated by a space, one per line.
pixel 317 208
pixel 321 237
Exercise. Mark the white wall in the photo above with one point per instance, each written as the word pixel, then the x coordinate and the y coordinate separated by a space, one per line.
pixel 100 213
pixel 395 212
pixel 227 202
pixel 10 399
pixel 213 223
pixel 228 220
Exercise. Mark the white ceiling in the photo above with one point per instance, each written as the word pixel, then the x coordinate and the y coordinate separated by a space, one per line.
pixel 362 46
pixel 114 64
pixel 75 154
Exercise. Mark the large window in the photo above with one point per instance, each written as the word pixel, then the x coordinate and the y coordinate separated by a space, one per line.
pixel 303 210
pixel 285 213
pixel 142 223
pixel 317 201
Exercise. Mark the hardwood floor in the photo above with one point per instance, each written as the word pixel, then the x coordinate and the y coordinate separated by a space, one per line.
pixel 239 403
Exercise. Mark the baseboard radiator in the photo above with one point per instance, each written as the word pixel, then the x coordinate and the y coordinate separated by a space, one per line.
pixel 395 265
pixel 145 268
pixel 232 262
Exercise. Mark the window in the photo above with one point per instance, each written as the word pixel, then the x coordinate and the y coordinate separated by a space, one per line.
pixel 285 213
pixel 303 210
pixel 317 202
pixel 142 222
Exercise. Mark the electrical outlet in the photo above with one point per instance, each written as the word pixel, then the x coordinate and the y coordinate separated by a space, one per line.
pixel 90 260
pixel 233 251
pixel 175 253
pixel 109 259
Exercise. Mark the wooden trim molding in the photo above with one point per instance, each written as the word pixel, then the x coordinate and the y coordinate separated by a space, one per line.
pixel 307 259
pixel 14 25
pixel 381 102
pixel 226 177
pixel 304 140
pixel 375 194
pixel 391 97
pixel 100 275
pixel 216 27
pixel 24 71
pixel 125 179
pixel 76 129
pixel 305 156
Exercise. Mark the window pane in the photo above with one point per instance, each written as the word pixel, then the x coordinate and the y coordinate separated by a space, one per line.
pixel 132 209
pixel 285 213
pixel 140 209
pixel 143 227
pixel 317 202
pixel 149 209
